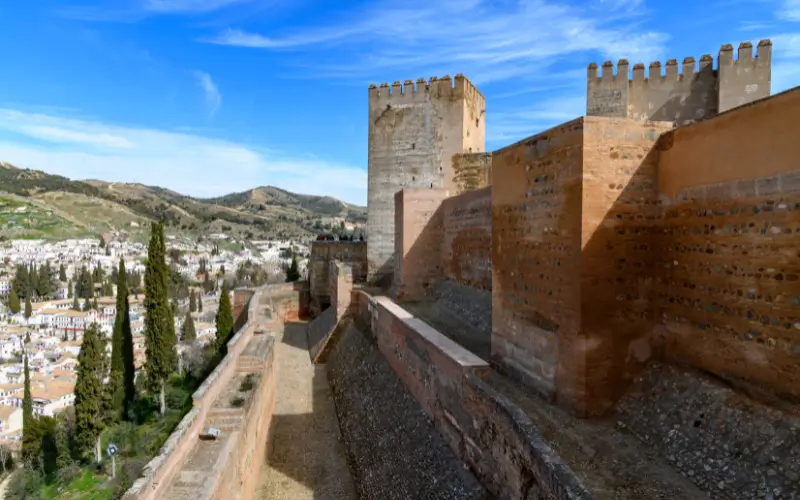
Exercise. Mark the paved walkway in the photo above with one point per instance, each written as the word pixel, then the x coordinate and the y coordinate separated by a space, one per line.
pixel 306 459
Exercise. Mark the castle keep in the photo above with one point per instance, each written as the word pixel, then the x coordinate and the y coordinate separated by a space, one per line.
pixel 414 131
pixel 694 93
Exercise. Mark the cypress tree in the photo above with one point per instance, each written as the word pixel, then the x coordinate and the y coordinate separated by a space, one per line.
pixel 69 289
pixel 293 273
pixel 95 306
pixel 192 302
pixel 121 380
pixel 189 333
pixel 28 423
pixel 160 337
pixel 224 319
pixel 76 305
pixel 90 395
pixel 28 308
pixel 62 273
pixel 199 303
pixel 13 301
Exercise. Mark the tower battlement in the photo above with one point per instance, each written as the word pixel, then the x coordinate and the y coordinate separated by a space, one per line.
pixel 682 92
pixel 413 91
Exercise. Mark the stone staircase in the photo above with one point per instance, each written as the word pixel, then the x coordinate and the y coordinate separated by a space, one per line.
pixel 249 364
pixel 225 419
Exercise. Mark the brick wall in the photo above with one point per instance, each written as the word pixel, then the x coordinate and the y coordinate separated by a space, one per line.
pixel 472 171
pixel 728 273
pixel 466 249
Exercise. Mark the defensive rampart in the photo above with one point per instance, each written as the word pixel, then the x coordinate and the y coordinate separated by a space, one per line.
pixel 323 253
pixel 494 437
pixel 225 467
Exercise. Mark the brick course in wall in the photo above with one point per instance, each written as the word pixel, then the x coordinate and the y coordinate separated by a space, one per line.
pixel 466 247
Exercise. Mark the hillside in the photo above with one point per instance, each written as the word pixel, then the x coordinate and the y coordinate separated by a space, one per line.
pixel 96 206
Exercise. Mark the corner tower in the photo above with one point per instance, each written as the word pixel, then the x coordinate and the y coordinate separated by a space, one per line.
pixel 414 131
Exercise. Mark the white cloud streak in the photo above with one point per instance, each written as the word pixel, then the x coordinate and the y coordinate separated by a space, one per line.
pixel 790 10
pixel 212 94
pixel 477 37
pixel 188 163
pixel 188 6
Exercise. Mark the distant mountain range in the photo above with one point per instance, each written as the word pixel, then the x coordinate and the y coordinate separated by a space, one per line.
pixel 35 204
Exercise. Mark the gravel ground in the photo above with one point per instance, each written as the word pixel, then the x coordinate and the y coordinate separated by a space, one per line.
pixel 394 450
pixel 306 459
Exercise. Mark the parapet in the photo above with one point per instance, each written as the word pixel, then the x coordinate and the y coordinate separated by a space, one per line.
pixel 692 83
pixel 421 90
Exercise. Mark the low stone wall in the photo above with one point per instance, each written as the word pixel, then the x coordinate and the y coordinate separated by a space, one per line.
pixel 159 473
pixel 241 463
pixel 495 438
pixel 319 331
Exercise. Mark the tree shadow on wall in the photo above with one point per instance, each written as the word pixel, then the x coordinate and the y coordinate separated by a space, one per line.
pixel 305 453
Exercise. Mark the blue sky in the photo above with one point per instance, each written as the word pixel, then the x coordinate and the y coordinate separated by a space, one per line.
pixel 213 96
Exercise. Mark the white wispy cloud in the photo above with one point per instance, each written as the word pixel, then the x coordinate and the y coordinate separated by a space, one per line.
pixel 506 127
pixel 188 163
pixel 790 10
pixel 213 96
pixel 486 40
pixel 184 6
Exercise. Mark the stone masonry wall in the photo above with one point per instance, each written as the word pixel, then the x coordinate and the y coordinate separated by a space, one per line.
pixel 620 213
pixel 472 171
pixel 536 221
pixel 685 96
pixel 353 253
pixel 728 274
pixel 159 473
pixel 414 131
pixel 466 249
pixel 494 437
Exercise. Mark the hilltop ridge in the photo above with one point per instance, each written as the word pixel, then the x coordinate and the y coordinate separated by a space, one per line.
pixel 91 206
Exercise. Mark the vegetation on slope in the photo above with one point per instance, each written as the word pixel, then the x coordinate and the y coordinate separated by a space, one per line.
pixel 97 206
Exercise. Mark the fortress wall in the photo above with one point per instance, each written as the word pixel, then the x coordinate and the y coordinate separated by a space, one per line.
pixel 620 214
pixel 471 171
pixel 495 438
pixel 728 277
pixel 466 249
pixel 159 473
pixel 418 242
pixel 674 96
pixel 536 245
pixel 353 253
pixel 746 78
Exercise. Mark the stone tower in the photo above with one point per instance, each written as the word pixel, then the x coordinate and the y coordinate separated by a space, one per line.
pixel 414 131
pixel 681 94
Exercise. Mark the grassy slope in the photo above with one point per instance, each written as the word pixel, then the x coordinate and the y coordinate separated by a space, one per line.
pixel 95 206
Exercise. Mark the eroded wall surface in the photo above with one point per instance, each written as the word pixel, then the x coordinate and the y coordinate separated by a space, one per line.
pixel 536 240
pixel 467 238
pixel 728 278
pixel 414 131
pixel 471 171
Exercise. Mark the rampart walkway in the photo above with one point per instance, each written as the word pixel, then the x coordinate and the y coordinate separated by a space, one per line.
pixel 307 458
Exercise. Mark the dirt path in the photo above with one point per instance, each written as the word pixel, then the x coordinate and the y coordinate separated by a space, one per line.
pixel 306 459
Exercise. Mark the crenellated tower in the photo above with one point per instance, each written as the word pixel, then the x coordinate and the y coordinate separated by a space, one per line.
pixel 415 128
pixel 681 95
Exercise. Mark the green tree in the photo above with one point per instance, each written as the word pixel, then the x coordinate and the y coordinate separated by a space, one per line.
pixel 224 319
pixel 102 242
pixel 199 303
pixel 76 305
pixel 45 282
pixel 292 272
pixel 28 422
pixel 27 337
pixel 159 326
pixel 13 301
pixel 95 305
pixel 28 308
pixel 192 302
pixel 121 379
pixel 21 283
pixel 69 289
pixel 90 395
pixel 62 273
pixel 189 333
